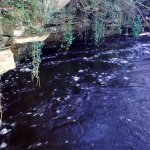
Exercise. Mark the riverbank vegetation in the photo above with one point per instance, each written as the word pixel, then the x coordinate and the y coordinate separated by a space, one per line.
pixel 100 18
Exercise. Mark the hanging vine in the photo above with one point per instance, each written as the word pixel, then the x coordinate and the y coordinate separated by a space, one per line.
pixel 36 60
pixel 136 26
pixel 119 27
pixel 1 97
pixel 98 27
pixel 36 15
pixel 68 36
pixel 85 16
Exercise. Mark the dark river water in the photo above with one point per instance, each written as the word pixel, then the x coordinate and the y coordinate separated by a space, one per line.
pixel 89 99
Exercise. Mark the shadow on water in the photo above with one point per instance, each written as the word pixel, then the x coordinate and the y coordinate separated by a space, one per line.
pixel 89 99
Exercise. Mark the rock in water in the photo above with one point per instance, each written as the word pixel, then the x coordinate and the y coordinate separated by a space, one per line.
pixel 6 61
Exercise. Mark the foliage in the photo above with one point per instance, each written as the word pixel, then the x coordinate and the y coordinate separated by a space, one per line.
pixel 36 60
pixel 112 15
pixel 137 26
pixel 102 13
pixel 31 13
pixel 98 27
pixel 68 34
pixel 1 97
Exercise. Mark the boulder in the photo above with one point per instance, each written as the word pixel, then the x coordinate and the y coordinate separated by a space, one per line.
pixel 56 4
pixel 6 61
pixel 62 3
pixel 145 34
pixel 30 38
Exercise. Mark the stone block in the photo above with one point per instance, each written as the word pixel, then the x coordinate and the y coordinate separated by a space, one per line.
pixel 6 61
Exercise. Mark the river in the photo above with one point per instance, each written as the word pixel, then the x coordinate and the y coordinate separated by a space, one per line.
pixel 89 99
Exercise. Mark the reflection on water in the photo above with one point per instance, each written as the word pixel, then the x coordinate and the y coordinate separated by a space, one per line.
pixel 88 99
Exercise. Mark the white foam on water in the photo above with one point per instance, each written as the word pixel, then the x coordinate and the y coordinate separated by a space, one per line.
pixel 146 44
pixel 25 70
pixel 100 80
pixel 125 78
pixel 3 131
pixel 124 61
pixel 68 118
pixel 3 145
pixel 66 141
pixel 58 111
pixel 85 58
pixel 81 71
pixel 76 78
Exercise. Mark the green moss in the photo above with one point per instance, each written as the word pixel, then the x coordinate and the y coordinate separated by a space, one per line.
pixel 7 27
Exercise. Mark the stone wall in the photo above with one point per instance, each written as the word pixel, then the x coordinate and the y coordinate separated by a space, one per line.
pixel 11 36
